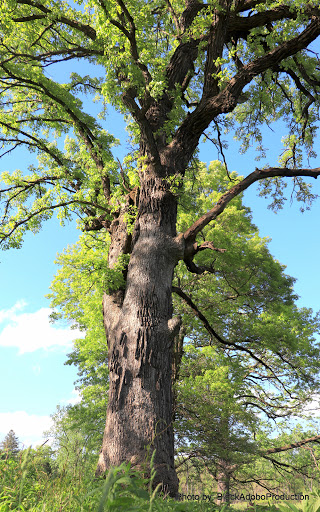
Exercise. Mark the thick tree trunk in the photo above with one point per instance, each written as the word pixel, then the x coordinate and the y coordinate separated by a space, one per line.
pixel 140 332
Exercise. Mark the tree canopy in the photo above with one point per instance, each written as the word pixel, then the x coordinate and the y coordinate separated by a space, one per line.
pixel 172 69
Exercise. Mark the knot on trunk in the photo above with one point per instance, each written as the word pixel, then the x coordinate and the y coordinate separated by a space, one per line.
pixel 174 325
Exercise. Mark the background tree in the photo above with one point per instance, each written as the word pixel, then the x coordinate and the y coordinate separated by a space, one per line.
pixel 245 358
pixel 236 441
pixel 290 466
pixel 72 450
pixel 10 444
pixel 173 69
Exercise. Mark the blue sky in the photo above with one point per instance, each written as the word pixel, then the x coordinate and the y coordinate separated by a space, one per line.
pixel 33 377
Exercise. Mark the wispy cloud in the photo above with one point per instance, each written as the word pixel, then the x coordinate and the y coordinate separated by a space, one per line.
pixel 9 314
pixel 75 398
pixel 28 428
pixel 33 331
pixel 313 407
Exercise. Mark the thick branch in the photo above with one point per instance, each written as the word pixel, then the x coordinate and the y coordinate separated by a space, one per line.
pixel 314 439
pixel 215 47
pixel 259 174
pixel 182 61
pixel 17 224
pixel 189 133
pixel 240 26
pixel 81 27
pixel 193 7
pixel 192 249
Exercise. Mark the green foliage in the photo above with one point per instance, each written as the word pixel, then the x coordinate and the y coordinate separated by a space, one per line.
pixel 77 291
pixel 243 292
pixel 312 505
pixel 258 363
pixel 212 418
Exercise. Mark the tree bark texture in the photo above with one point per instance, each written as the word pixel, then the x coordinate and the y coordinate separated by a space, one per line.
pixel 140 332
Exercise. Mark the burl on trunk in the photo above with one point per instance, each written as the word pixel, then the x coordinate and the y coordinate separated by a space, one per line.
pixel 140 332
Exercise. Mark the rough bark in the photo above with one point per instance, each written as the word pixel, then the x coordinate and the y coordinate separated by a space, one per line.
pixel 140 332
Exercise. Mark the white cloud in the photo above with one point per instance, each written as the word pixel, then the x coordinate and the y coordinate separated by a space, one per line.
pixel 28 428
pixel 33 331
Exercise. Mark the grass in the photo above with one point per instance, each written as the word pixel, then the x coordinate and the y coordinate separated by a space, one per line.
pixel 26 487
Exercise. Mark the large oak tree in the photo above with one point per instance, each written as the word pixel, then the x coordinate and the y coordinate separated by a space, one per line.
pixel 245 351
pixel 174 69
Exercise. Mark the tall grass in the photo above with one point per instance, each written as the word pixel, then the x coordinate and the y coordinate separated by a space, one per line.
pixel 26 487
